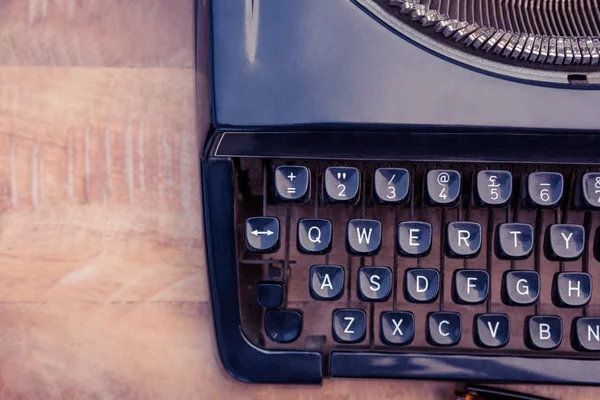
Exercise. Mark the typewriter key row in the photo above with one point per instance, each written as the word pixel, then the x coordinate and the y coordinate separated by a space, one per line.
pixel 422 285
pixel 442 187
pixel 397 328
pixel 563 242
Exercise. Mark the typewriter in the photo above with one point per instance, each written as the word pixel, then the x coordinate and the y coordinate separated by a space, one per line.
pixel 405 189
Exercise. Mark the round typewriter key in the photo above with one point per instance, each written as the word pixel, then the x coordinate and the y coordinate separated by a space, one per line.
pixel 492 330
pixel 443 187
pixel 591 189
pixel 314 235
pixel 543 332
pixel 544 189
pixel 571 289
pixel 349 325
pixel 413 238
pixel 586 335
pixel 397 327
pixel 444 328
pixel 283 326
pixel 514 241
pixel 564 242
pixel 391 185
pixel 494 188
pixel 342 184
pixel 292 183
pixel 520 288
pixel 374 283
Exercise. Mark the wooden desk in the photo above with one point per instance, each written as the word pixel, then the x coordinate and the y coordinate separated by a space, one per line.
pixel 103 288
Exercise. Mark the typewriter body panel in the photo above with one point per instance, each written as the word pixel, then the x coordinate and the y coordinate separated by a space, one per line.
pixel 377 208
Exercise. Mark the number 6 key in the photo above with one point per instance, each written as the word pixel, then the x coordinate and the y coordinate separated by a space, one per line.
pixel 544 189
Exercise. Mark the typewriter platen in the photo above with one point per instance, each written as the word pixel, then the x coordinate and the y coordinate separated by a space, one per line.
pixel 404 189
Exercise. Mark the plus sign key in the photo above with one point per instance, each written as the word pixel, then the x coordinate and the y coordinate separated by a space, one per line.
pixel 292 183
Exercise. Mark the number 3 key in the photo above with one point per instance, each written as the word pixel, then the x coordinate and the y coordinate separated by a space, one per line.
pixel 391 185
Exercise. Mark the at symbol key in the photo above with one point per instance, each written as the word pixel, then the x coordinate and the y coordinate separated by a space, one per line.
pixel 443 187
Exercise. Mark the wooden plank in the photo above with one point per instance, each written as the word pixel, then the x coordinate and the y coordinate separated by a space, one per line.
pixel 145 33
pixel 99 183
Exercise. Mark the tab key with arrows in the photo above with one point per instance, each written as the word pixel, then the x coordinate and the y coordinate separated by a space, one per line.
pixel 262 234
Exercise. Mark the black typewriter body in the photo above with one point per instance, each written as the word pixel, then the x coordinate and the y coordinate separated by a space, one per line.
pixel 404 189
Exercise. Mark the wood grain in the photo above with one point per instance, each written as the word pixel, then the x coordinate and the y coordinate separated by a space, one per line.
pixel 103 291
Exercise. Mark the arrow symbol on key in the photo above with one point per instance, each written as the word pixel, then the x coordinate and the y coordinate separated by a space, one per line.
pixel 256 232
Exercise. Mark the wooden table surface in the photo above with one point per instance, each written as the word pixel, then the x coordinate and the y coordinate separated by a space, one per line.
pixel 103 291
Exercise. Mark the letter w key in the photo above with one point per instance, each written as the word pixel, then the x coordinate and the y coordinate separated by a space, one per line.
pixel 363 236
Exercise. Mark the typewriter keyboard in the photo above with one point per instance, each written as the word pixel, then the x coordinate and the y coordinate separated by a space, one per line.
pixel 495 259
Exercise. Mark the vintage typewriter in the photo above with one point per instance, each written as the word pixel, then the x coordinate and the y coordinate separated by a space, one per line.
pixel 405 189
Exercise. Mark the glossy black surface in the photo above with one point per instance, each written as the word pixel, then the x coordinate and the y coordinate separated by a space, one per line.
pixel 411 145
pixel 397 328
pixel 269 294
pixel 391 185
pixel 240 358
pixel 374 283
pixel 564 242
pixel 314 235
pixel 413 238
pixel 590 183
pixel 492 330
pixel 421 285
pixel 514 241
pixel 520 288
pixel 342 184
pixel 544 189
pixel 349 325
pixel 443 187
pixel 491 368
pixel 585 335
pixel 493 188
pixel 444 328
pixel 470 286
pixel 543 332
pixel 287 64
pixel 571 289
pixel 326 282
pixel 262 234
pixel 463 239
pixel 291 183
pixel 363 236
pixel 283 326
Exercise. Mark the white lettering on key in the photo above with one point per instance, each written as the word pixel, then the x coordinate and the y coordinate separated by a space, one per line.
pixel 469 285
pixel 444 322
pixel 419 289
pixel 397 327
pixel 567 238
pixel 544 331
pixel 412 237
pixel 523 283
pixel 463 235
pixel 515 234
pixel 364 235
pixel 326 283
pixel 577 288
pixel 375 286
pixel 595 334
pixel 347 329
pixel 494 330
